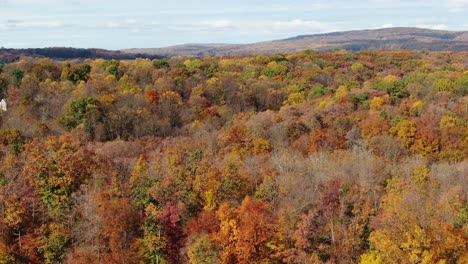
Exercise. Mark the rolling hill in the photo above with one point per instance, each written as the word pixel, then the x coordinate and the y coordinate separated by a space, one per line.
pixel 376 39
pixel 64 53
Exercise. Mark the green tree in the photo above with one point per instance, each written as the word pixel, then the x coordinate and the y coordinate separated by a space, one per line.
pixel 140 182
pixel 274 69
pixel 112 67
pixel 160 63
pixel 442 85
pixel 78 111
pixel 77 73
pixel 3 86
pixel 17 76
pixel 54 239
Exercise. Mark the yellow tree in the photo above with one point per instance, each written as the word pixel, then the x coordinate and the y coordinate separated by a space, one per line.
pixel 56 168
pixel 405 131
pixel 409 228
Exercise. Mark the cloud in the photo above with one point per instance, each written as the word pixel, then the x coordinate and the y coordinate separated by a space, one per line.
pixel 387 25
pixel 457 5
pixel 25 24
pixel 385 2
pixel 112 25
pixel 283 28
pixel 131 21
pixel 433 26
pixel 439 27
pixel 48 2
pixel 127 23
pixel 302 24
pixel 205 26
pixel 221 24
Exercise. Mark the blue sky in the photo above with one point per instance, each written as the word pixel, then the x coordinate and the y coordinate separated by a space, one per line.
pixel 120 24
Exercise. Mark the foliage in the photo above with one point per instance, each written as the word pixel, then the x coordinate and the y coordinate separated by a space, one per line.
pixel 415 239
pixel 161 63
pixel 3 86
pixel 393 87
pixel 203 250
pixel 54 242
pixel 276 69
pixel 11 137
pixel 78 111
pixel 405 131
pixel 112 67
pixel 17 75
pixel 312 157
pixel 77 73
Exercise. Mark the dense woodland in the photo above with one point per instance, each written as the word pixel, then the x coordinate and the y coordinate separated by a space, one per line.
pixel 331 157
pixel 14 55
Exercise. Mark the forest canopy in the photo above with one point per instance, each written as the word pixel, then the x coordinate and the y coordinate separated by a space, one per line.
pixel 312 157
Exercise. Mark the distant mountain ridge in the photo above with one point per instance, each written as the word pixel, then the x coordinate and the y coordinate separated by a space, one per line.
pixel 64 53
pixel 373 39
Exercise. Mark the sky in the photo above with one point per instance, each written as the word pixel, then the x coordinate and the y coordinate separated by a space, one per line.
pixel 120 24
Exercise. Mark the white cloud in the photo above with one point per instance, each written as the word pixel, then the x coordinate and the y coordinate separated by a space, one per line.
pixel 221 24
pixel 15 24
pixel 49 2
pixel 392 2
pixel 113 25
pixel 439 27
pixel 387 25
pixel 302 24
pixel 457 5
pixel 131 21
pixel 433 26
pixel 240 28
pixel 127 23
pixel 206 26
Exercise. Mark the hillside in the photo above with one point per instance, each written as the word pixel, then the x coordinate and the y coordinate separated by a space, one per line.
pixel 386 39
pixel 63 53
pixel 377 39
pixel 313 157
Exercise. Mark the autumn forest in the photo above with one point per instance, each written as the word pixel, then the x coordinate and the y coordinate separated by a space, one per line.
pixel 311 157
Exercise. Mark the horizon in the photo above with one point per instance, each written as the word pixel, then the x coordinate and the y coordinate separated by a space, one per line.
pixel 227 44
pixel 82 24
